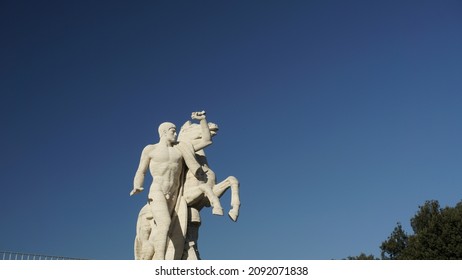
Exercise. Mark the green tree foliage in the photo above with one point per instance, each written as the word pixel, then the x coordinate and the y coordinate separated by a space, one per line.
pixel 437 235
pixel 394 246
pixel 362 256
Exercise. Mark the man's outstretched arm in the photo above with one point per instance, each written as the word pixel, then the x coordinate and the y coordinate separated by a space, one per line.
pixel 140 173
pixel 206 138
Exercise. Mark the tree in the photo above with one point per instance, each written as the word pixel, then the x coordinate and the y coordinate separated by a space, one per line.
pixel 394 246
pixel 362 256
pixel 437 235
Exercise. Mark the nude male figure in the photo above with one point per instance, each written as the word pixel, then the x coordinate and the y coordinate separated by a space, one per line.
pixel 165 162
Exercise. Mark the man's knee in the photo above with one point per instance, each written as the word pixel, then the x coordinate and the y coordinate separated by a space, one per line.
pixel 162 222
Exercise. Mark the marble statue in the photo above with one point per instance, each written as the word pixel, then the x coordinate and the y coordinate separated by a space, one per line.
pixel 183 183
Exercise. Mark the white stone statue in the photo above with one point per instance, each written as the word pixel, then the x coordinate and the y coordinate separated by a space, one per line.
pixel 196 190
pixel 167 227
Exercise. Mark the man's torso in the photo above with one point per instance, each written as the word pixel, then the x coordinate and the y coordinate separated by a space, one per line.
pixel 165 166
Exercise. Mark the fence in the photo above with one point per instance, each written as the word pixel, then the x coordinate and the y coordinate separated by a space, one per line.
pixel 4 255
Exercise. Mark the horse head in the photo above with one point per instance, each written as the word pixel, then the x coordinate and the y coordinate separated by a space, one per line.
pixel 192 131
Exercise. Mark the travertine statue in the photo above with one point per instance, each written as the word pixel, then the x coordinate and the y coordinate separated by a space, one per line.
pixel 167 227
pixel 194 189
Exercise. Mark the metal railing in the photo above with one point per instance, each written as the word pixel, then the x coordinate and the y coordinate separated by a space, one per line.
pixel 6 255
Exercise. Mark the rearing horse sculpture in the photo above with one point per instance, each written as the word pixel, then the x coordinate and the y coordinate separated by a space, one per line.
pixel 197 194
pixel 196 191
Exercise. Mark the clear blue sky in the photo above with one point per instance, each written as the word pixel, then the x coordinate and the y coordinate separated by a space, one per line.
pixel 338 117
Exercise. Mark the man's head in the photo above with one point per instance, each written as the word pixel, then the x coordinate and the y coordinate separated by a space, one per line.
pixel 167 131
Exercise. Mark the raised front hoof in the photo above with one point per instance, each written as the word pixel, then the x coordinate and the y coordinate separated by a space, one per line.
pixel 233 214
pixel 217 211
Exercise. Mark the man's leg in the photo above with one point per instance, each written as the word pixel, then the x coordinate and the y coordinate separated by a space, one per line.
pixel 162 219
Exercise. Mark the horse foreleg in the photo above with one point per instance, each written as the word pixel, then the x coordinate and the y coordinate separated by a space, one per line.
pixel 220 188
